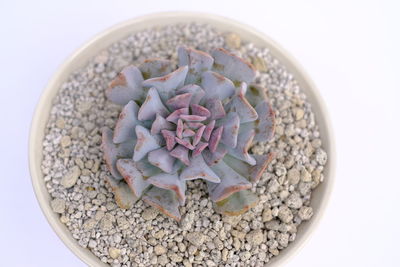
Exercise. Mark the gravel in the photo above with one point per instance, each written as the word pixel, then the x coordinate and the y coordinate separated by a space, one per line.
pixel 74 171
pixel 195 238
pixel 149 214
pixel 58 205
pixel 285 214
pixel 159 250
pixel 71 177
pixel 255 237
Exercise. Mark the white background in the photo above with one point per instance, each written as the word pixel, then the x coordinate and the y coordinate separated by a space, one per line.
pixel 349 48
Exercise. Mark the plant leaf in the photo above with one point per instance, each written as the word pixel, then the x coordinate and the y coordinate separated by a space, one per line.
pixel 216 108
pixel 216 86
pixel 123 195
pixel 196 91
pixel 112 151
pixel 146 168
pixel 145 142
pixel 127 121
pixel 160 123
pixel 213 158
pixel 170 182
pixel 265 124
pixel 179 101
pixel 208 130
pixel 156 67
pixel 152 105
pixel 237 204
pixel 133 177
pixel 244 141
pixel 231 124
pixel 182 153
pixel 169 137
pixel 200 110
pixel 167 85
pixel 162 159
pixel 192 117
pixel 232 66
pixel 215 138
pixel 198 135
pixel 174 116
pixel 126 86
pixel 164 200
pixel 198 169
pixel 199 148
pixel 252 173
pixel 231 182
pixel 198 62
pixel 242 107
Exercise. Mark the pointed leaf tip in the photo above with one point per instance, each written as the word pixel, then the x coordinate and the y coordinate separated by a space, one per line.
pixel 164 200
pixel 169 137
pixel 215 138
pixel 242 107
pixel 170 182
pixel 127 121
pixel 160 123
pixel 198 169
pixel 126 86
pixel 145 143
pixel 197 61
pixel 200 110
pixel 232 66
pixel 132 175
pixel 231 182
pixel 180 101
pixel 152 106
pixel 182 153
pixel 216 108
pixel 162 159
pixel 196 91
pixel 174 116
pixel 208 130
pixel 199 148
pixel 217 86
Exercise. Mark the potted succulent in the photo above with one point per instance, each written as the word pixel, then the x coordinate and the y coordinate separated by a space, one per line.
pixel 227 137
pixel 194 122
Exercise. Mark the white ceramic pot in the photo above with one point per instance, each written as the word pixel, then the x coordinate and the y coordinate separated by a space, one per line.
pixel 78 59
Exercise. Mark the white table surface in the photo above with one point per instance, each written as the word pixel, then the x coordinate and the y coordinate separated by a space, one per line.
pixel 349 48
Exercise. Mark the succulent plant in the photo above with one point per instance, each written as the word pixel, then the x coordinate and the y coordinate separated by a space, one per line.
pixel 194 122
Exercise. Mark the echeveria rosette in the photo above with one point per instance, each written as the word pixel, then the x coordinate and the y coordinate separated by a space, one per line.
pixel 196 121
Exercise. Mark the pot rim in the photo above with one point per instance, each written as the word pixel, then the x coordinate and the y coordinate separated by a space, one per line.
pixel 41 116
